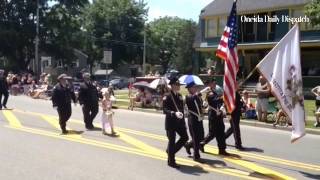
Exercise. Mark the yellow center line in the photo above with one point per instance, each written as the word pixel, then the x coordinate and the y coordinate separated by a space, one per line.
pixel 13 121
pixel 52 120
pixel 105 145
pixel 252 167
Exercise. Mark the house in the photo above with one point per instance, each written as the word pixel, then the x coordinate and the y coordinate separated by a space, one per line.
pixel 55 66
pixel 259 32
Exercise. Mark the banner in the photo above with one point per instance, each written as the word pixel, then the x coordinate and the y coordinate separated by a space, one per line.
pixel 282 68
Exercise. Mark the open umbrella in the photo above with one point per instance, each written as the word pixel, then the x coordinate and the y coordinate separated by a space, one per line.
pixel 185 79
pixel 161 81
pixel 141 85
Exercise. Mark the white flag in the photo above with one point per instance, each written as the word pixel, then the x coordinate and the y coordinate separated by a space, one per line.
pixel 282 68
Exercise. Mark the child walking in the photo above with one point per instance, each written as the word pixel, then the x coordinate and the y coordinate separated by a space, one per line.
pixel 107 114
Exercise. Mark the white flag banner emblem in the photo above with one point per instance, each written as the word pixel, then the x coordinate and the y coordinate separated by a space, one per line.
pixel 282 68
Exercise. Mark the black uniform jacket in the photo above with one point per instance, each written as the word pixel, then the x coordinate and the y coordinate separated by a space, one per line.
pixel 3 85
pixel 61 96
pixel 169 109
pixel 191 101
pixel 214 100
pixel 88 94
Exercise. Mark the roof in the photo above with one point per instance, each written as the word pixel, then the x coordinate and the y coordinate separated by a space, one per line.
pixel 222 7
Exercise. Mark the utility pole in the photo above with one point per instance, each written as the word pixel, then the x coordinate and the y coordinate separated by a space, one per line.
pixel 144 50
pixel 37 42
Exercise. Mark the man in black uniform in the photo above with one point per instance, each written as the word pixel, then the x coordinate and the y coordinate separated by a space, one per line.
pixel 195 117
pixel 3 90
pixel 215 115
pixel 235 123
pixel 174 123
pixel 89 99
pixel 61 99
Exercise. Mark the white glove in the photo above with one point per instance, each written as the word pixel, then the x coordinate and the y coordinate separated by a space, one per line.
pixel 179 115
pixel 205 103
pixel 223 110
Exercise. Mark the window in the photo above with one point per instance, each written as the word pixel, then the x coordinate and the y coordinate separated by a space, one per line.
pixel 211 26
pixel 222 25
pixel 59 63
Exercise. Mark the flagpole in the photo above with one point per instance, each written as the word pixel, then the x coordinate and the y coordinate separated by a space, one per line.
pixel 249 75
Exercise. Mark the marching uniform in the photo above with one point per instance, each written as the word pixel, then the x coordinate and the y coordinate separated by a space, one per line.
pixel 3 91
pixel 61 99
pixel 235 123
pixel 195 124
pixel 89 98
pixel 173 105
pixel 216 124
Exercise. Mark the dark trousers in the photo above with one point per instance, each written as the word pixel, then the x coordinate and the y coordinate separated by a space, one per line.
pixel 216 129
pixel 235 129
pixel 173 146
pixel 89 113
pixel 64 115
pixel 197 134
pixel 5 94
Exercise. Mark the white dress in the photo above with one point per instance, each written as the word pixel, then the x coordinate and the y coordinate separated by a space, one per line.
pixel 107 114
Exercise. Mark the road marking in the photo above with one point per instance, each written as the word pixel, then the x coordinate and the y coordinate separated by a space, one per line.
pixel 244 154
pixel 163 138
pixel 13 121
pixel 52 120
pixel 231 172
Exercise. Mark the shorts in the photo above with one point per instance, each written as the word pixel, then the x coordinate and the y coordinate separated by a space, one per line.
pixel 262 104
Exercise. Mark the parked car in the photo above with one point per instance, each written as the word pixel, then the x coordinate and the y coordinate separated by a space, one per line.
pixel 104 83
pixel 119 83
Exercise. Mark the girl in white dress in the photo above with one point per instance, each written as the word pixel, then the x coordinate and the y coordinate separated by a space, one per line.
pixel 107 114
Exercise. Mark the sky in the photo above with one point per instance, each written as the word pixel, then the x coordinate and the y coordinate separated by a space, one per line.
pixel 188 9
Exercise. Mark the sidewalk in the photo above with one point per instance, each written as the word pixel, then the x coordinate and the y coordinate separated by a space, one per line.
pixel 247 122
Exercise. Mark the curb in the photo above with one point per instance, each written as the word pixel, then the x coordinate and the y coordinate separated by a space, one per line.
pixel 253 123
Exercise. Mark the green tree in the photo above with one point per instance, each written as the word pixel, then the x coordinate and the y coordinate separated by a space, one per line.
pixel 313 11
pixel 116 25
pixel 18 30
pixel 61 32
pixel 170 42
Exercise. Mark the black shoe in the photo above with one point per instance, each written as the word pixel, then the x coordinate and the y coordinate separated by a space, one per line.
pixel 240 148
pixel 202 148
pixel 224 153
pixel 5 107
pixel 197 158
pixel 188 149
pixel 64 132
pixel 174 165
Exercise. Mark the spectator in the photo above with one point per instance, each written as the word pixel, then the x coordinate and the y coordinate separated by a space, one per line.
pixel 3 90
pixel 248 107
pixel 262 90
pixel 316 92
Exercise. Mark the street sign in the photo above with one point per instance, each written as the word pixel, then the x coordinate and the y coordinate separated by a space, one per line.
pixel 107 56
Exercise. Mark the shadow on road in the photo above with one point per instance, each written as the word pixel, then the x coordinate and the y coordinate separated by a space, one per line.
pixel 250 149
pixel 70 132
pixel 309 175
pixel 197 170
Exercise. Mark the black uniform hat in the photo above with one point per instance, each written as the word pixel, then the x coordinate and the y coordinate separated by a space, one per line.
pixel 190 84
pixel 174 80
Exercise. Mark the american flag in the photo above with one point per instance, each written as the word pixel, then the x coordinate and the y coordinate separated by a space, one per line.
pixel 227 50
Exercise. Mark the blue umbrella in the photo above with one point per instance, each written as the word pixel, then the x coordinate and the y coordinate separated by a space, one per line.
pixel 185 79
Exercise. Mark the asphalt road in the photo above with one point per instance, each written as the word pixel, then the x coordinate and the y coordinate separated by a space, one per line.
pixel 31 147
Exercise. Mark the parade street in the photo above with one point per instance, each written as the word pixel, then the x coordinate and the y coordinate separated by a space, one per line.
pixel 32 148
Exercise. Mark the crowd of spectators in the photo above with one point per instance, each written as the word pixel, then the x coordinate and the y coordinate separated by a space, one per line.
pixel 29 85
